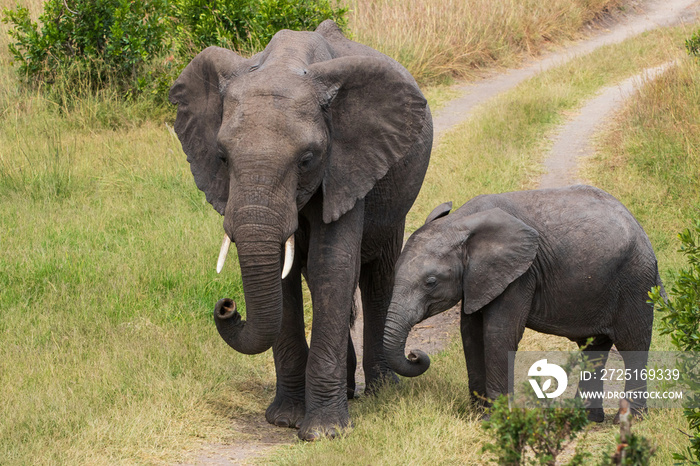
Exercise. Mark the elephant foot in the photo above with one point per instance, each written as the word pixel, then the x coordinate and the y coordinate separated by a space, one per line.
pixel 286 411
pixel 595 414
pixel 323 424
pixel 376 382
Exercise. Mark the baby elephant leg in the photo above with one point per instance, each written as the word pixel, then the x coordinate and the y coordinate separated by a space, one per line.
pixel 596 354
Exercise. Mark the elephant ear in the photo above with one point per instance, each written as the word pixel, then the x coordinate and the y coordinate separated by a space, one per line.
pixel 376 115
pixel 499 248
pixel 439 212
pixel 198 95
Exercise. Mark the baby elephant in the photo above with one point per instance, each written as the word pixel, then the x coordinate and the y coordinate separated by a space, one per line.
pixel 572 262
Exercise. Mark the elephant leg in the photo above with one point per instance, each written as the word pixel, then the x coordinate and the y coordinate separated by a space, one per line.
pixel 635 353
pixel 472 330
pixel 333 272
pixel 290 352
pixel 633 331
pixel 635 362
pixel 376 286
pixel 504 323
pixel 597 355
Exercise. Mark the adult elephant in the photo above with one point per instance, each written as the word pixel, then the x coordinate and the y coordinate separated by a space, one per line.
pixel 320 143
pixel 572 262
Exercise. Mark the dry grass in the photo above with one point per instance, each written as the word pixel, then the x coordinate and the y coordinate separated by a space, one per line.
pixel 650 156
pixel 441 39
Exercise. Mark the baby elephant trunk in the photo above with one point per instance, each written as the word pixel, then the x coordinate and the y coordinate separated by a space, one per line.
pixel 395 335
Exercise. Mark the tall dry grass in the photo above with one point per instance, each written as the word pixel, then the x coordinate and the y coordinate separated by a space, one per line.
pixel 440 39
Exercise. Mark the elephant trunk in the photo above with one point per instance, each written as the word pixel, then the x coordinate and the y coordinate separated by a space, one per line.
pixel 260 263
pixel 395 334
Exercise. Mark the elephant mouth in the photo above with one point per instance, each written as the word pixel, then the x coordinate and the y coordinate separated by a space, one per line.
pixel 288 255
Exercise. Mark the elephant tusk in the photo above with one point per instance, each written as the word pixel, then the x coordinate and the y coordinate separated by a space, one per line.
pixel 288 256
pixel 222 254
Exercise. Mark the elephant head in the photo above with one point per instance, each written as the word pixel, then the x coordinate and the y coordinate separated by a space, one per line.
pixel 452 257
pixel 265 135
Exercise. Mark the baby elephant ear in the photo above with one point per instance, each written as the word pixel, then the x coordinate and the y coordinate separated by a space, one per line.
pixel 377 118
pixel 499 249
pixel 439 211
pixel 198 95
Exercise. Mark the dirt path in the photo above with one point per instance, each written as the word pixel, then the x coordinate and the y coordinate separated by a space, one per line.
pixel 255 437
pixel 655 14
pixel 573 141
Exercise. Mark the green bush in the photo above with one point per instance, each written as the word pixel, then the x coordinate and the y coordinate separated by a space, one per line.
pixel 246 25
pixel 274 15
pixel 681 319
pixel 543 431
pixel 98 42
pixel 141 46
pixel 637 452
pixel 692 45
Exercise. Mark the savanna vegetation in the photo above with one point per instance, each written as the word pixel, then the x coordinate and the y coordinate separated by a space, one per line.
pixel 108 353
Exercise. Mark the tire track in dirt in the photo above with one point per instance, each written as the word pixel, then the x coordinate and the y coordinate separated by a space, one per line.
pixel 257 438
pixel 573 141
pixel 655 14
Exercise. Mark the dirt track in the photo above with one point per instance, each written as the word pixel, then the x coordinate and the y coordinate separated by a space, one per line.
pixel 257 437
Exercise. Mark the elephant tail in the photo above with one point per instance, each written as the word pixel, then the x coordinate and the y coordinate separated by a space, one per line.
pixel 660 284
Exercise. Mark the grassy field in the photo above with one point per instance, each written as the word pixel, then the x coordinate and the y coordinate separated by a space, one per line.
pixel 108 354
pixel 437 40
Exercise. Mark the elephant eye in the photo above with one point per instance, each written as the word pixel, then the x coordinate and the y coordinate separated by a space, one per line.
pixel 306 161
pixel 221 154
pixel 430 281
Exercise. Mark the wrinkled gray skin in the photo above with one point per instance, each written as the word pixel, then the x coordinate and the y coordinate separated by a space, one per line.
pixel 329 140
pixel 572 262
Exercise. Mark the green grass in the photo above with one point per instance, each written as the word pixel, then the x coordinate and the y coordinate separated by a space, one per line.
pixel 439 95
pixel 106 283
pixel 427 420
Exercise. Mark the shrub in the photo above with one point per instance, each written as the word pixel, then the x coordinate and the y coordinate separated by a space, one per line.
pixel 637 451
pixel 105 41
pixel 692 44
pixel 246 25
pixel 141 46
pixel 544 431
pixel 681 319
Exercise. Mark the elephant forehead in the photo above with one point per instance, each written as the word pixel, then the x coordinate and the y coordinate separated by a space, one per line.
pixel 432 244
pixel 272 120
pixel 423 261
pixel 283 86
